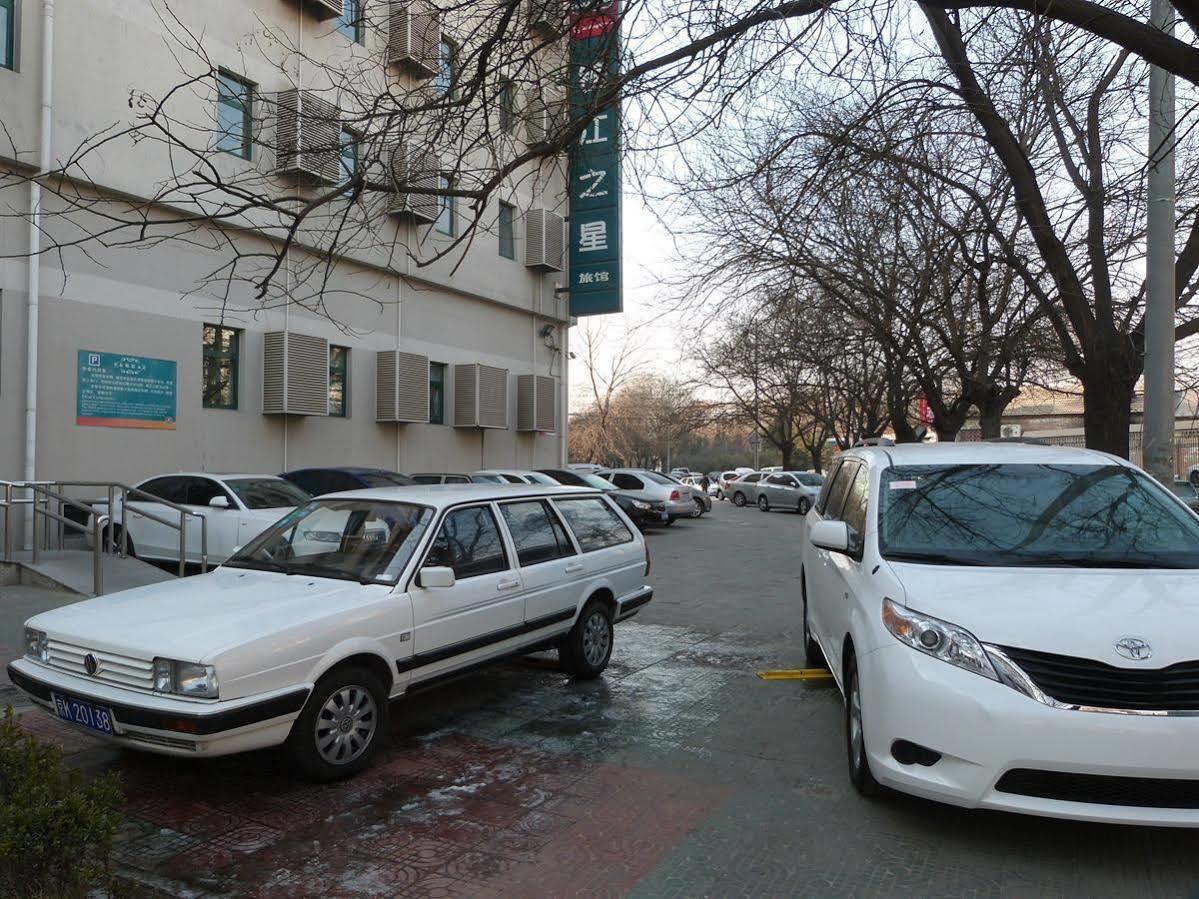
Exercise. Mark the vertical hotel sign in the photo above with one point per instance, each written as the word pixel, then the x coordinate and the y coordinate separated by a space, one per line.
pixel 595 287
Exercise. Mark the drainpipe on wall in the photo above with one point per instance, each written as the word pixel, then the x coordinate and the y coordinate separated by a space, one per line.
pixel 35 246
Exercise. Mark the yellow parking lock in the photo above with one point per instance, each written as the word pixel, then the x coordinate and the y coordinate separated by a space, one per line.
pixel 797 674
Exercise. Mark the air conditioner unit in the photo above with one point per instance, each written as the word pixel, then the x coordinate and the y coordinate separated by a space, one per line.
pixel 546 19
pixel 401 386
pixel 545 240
pixel 544 119
pixel 307 136
pixel 414 37
pixel 536 403
pixel 295 374
pixel 480 396
pixel 1011 430
pixel 324 9
pixel 414 167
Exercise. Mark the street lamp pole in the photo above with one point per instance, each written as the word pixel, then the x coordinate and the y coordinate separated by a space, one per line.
pixel 1157 434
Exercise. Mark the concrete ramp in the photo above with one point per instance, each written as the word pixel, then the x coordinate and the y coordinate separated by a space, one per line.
pixel 71 570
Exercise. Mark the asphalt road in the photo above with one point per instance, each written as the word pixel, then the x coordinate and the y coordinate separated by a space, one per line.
pixel 679 773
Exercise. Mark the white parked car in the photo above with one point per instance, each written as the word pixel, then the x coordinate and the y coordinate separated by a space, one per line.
pixel 304 635
pixel 512 476
pixel 1013 627
pixel 237 507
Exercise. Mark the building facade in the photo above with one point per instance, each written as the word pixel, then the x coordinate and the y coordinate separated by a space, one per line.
pixel 358 354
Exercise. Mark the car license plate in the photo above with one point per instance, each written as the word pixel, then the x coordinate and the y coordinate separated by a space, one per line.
pixel 666 516
pixel 89 715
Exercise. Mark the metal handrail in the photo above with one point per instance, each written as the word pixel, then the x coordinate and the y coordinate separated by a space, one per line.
pixel 41 495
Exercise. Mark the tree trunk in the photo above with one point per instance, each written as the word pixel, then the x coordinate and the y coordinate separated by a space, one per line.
pixel 1111 378
pixel 990 417
pixel 785 451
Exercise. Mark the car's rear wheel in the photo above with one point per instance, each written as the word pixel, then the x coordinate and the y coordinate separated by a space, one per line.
pixel 585 651
pixel 763 503
pixel 738 498
pixel 720 494
pixel 341 726
pixel 860 774
pixel 804 506
pixel 699 508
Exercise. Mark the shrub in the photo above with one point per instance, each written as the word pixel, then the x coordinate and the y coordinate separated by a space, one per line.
pixel 56 828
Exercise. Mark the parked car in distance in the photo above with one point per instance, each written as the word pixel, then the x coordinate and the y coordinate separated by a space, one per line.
pixel 745 489
pixel 236 507
pixel 700 497
pixel 1187 492
pixel 1012 627
pixel 426 477
pixel 585 466
pixel 319 481
pixel 722 484
pixel 302 643
pixel 792 490
pixel 642 510
pixel 677 499
pixel 511 476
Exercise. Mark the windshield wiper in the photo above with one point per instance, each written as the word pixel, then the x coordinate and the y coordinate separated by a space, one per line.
pixel 258 565
pixel 330 571
pixel 931 558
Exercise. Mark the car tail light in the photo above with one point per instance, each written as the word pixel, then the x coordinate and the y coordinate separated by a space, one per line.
pixel 649 563
pixel 674 496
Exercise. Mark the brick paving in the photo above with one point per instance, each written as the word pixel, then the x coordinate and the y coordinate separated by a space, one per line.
pixel 679 773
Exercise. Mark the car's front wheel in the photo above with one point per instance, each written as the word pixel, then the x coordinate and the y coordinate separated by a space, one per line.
pixel 804 506
pixel 342 725
pixel 112 542
pixel 699 508
pixel 585 651
pixel 763 503
pixel 860 774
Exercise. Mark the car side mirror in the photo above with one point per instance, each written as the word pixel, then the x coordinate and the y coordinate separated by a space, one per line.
pixel 436 576
pixel 219 502
pixel 831 535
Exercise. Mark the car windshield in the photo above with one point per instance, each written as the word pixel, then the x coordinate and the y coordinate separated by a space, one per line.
pixel 538 478
pixel 267 493
pixel 657 478
pixel 1094 516
pixel 348 539
pixel 810 480
pixel 384 479
pixel 594 480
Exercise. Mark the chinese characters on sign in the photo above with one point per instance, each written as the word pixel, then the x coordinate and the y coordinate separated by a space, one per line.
pixel 595 286
pixel 115 391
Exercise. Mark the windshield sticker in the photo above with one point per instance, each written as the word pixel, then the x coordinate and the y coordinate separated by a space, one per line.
pixel 903 485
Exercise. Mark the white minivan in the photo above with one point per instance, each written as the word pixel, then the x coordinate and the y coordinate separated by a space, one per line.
pixel 304 635
pixel 1012 626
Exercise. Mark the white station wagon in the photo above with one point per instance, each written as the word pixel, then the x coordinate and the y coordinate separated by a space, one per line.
pixel 354 599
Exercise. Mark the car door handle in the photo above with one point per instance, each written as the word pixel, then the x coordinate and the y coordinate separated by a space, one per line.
pixel 507 585
pixel 574 569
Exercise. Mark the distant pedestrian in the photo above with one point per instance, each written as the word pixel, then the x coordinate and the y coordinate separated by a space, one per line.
pixel 705 483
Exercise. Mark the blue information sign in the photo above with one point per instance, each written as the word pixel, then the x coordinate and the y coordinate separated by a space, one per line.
pixel 115 391
pixel 595 283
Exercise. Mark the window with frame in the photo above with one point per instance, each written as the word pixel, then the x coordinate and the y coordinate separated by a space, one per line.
pixel 437 393
pixel 506 224
pixel 445 216
pixel 506 98
pixel 172 489
pixel 339 381
pixel 350 22
pixel 595 524
pixel 221 351
pixel 348 156
pixel 536 532
pixel 470 543
pixel 840 490
pixel 446 64
pixel 8 34
pixel 854 512
pixel 234 114
pixel 627 481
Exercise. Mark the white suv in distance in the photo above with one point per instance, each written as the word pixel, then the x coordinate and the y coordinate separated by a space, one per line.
pixel 352 600
pixel 1013 627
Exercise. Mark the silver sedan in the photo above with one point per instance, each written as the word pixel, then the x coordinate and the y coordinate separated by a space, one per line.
pixel 744 490
pixel 678 498
pixel 793 490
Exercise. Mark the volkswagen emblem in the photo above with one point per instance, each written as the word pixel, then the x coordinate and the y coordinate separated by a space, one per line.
pixel 1134 648
pixel 90 664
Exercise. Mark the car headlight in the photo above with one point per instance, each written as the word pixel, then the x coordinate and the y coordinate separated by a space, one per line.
pixel 937 638
pixel 36 645
pixel 638 504
pixel 185 678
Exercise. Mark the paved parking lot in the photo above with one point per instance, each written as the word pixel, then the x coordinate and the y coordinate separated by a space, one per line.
pixel 680 773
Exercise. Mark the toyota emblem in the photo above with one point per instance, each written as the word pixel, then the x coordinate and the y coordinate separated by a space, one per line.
pixel 90 664
pixel 1134 648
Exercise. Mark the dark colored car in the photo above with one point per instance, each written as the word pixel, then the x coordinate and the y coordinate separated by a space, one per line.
pixel 642 511
pixel 319 481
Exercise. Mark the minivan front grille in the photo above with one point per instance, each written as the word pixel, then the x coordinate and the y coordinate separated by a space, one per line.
pixel 1086 682
pixel 111 668
pixel 1101 789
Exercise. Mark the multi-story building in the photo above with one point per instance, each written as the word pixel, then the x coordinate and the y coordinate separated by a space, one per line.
pixel 358 352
